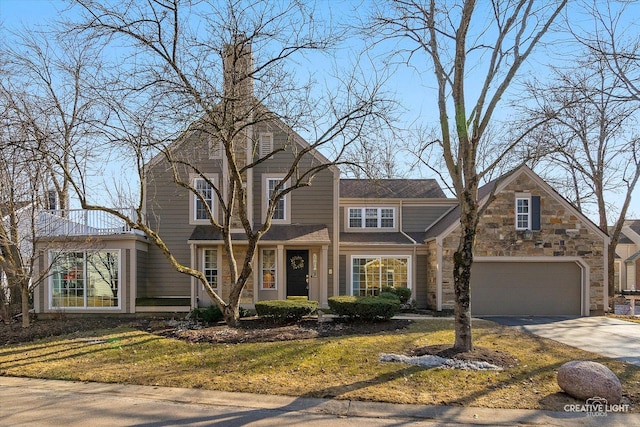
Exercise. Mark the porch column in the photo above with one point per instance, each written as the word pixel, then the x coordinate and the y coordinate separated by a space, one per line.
pixel 324 276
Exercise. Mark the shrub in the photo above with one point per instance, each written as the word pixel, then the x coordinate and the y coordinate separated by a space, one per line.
pixel 389 295
pixel 286 310
pixel 403 293
pixel 211 314
pixel 245 312
pixel 344 305
pixel 387 288
pixel 365 308
pixel 376 308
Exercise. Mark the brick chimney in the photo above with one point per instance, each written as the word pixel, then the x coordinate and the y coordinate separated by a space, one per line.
pixel 238 69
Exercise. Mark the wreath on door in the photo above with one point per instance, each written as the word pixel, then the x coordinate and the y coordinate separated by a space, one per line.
pixel 297 262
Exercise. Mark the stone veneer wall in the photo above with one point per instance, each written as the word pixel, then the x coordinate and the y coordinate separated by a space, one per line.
pixel 432 275
pixel 561 234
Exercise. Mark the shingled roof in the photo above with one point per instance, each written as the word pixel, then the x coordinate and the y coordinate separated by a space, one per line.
pixel 391 189
pixel 314 233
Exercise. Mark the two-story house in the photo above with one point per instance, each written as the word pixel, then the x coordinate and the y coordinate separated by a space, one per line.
pixel 535 253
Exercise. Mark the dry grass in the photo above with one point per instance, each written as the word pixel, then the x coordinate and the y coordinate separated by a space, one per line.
pixel 342 367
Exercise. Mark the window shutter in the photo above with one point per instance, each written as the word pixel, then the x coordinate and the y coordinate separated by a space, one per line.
pixel 266 144
pixel 535 212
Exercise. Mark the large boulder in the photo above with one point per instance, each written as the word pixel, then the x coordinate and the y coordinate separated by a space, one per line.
pixel 583 380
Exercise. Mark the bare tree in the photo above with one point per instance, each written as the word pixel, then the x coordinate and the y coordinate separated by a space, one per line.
pixel 595 126
pixel 209 73
pixel 21 195
pixel 47 115
pixel 462 42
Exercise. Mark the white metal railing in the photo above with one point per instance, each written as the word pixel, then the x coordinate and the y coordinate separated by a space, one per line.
pixel 81 222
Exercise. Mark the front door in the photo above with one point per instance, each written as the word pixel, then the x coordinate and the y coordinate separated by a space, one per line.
pixel 297 273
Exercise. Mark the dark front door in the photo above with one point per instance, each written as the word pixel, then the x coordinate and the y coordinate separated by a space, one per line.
pixel 297 273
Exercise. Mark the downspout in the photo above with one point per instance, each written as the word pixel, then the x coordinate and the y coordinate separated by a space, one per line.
pixel 438 273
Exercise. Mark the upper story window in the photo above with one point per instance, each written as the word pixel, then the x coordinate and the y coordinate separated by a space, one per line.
pixel 201 206
pixel 527 212
pixel 266 144
pixel 281 212
pixel 523 213
pixel 372 217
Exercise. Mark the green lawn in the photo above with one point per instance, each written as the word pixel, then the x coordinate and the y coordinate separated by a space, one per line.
pixel 342 367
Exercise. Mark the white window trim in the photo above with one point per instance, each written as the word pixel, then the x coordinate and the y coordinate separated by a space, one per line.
pixel 409 267
pixel 204 258
pixel 85 307
pixel 265 199
pixel 265 144
pixel 275 270
pixel 527 197
pixel 363 218
pixel 192 199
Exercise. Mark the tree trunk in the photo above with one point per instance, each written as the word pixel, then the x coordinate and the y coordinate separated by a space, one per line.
pixel 611 257
pixel 462 261
pixel 231 314
pixel 24 291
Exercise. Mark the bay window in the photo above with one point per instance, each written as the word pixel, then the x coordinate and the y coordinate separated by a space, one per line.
pixel 83 279
pixel 370 273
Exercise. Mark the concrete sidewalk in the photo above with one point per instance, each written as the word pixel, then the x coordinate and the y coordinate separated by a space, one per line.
pixel 50 402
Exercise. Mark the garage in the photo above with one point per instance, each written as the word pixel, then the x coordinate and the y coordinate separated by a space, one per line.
pixel 526 288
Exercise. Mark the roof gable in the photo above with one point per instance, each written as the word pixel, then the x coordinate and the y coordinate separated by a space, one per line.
pixel 451 221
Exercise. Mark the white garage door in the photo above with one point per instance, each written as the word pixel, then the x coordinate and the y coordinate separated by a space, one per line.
pixel 525 288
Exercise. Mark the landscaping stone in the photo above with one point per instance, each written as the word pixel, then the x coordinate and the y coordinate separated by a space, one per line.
pixel 584 379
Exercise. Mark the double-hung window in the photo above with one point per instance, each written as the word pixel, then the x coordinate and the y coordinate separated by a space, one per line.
pixel 527 212
pixel 355 218
pixel 523 213
pixel 372 218
pixel 268 269
pixel 280 208
pixel 210 267
pixel 203 201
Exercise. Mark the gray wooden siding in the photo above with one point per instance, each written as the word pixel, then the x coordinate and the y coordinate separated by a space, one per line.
pixel 142 272
pixel 309 205
pixel 168 209
pixel 342 280
pixel 420 287
pixel 168 214
pixel 418 218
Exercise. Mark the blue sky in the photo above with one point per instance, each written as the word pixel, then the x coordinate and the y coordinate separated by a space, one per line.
pixel 416 95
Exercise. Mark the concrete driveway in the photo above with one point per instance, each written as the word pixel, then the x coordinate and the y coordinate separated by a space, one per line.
pixel 614 338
